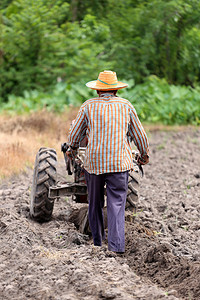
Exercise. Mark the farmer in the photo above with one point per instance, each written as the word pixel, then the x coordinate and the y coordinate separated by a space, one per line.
pixel 110 123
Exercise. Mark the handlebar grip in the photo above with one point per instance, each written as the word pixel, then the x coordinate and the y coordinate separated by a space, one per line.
pixel 64 147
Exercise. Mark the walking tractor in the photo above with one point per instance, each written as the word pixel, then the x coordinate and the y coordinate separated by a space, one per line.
pixel 46 188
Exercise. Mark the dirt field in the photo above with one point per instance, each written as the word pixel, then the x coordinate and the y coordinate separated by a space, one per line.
pixel 162 259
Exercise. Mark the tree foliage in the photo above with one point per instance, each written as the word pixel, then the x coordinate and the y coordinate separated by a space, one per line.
pixel 45 41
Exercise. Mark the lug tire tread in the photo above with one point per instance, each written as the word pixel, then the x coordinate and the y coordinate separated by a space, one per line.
pixel 45 175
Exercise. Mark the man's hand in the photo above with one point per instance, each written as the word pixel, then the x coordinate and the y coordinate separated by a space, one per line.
pixel 143 160
pixel 71 153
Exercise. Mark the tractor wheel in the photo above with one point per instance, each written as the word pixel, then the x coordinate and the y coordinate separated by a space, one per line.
pixel 133 192
pixel 45 175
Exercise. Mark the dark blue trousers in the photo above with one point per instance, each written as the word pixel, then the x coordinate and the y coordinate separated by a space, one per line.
pixel 116 189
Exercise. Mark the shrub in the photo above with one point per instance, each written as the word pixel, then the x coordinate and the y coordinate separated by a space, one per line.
pixel 155 100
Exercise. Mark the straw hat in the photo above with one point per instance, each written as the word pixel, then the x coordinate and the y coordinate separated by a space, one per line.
pixel 107 80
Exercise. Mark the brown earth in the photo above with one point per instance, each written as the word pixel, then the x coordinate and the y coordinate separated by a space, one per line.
pixel 162 259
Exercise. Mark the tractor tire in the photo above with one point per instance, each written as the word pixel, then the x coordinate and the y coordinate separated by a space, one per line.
pixel 45 175
pixel 133 192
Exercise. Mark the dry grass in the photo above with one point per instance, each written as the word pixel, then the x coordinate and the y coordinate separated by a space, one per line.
pixel 22 136
pixel 54 254
pixel 174 128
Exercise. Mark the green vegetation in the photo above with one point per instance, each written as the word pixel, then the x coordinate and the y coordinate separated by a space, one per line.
pixel 55 100
pixel 158 102
pixel 155 100
pixel 50 48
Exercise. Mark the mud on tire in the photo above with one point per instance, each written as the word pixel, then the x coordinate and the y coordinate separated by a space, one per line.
pixel 45 175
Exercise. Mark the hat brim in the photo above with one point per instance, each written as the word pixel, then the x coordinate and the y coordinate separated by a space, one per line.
pixel 95 86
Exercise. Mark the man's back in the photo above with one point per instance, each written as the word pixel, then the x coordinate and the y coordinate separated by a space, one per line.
pixel 107 121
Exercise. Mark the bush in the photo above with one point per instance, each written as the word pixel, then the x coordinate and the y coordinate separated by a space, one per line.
pixel 158 102
pixel 155 100
pixel 56 99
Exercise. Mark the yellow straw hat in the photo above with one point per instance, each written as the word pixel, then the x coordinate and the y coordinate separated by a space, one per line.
pixel 107 80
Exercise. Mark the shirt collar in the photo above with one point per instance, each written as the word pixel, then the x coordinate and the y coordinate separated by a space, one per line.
pixel 107 95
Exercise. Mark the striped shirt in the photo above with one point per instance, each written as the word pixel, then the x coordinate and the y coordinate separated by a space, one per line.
pixel 110 124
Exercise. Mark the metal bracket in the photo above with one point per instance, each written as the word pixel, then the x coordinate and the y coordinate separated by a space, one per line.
pixel 67 189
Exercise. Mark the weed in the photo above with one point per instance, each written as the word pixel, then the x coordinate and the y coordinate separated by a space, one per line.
pixel 160 147
pixel 193 141
pixel 185 228
pixel 176 221
pixel 165 213
pixel 156 232
pixel 59 237
pixel 136 214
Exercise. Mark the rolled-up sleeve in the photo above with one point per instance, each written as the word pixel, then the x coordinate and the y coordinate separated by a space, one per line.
pixel 138 134
pixel 78 129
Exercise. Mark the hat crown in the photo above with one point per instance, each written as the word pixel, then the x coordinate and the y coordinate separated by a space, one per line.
pixel 108 77
pixel 107 80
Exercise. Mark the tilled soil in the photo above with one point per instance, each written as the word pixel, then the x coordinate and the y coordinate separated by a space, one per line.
pixel 53 260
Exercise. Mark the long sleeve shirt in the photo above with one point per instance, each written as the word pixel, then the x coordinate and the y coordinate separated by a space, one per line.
pixel 110 124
